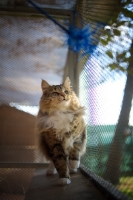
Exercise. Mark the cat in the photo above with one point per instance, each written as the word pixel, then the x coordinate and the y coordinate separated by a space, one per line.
pixel 61 129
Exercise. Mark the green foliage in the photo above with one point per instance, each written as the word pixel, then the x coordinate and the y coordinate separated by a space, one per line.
pixel 109 53
pixel 113 66
pixel 123 17
pixel 120 23
pixel 116 32
pixel 104 42
pixel 120 58
pixel 116 66
pixel 127 13
pixel 126 186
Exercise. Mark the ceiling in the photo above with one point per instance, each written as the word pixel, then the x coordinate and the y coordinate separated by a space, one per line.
pixel 55 4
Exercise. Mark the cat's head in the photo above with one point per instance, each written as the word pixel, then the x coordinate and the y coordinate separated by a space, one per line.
pixel 55 97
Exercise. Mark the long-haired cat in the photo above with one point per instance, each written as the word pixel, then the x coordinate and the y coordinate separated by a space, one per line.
pixel 61 129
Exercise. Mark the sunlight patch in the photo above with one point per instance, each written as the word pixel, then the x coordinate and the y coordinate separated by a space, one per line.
pixel 33 110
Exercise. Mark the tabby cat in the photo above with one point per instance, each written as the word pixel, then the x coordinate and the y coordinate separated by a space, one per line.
pixel 61 129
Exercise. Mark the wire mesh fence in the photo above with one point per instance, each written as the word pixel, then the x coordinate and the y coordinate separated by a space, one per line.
pixel 103 90
pixel 14 182
pixel 32 48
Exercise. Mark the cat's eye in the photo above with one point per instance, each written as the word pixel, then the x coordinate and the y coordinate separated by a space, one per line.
pixel 66 91
pixel 55 93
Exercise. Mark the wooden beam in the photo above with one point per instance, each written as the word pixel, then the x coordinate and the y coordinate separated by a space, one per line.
pixel 23 165
pixel 32 11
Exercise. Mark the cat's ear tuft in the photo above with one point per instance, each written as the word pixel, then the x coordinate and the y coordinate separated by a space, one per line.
pixel 44 85
pixel 67 83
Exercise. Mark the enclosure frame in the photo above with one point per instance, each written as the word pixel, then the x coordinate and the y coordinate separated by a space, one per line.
pixel 71 69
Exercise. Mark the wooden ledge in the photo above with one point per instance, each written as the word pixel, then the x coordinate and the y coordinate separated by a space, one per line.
pixel 44 187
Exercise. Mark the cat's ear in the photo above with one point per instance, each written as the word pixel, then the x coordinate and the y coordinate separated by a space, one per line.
pixel 67 83
pixel 44 85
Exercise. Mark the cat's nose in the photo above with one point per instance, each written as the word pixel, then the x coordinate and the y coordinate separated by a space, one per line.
pixel 62 95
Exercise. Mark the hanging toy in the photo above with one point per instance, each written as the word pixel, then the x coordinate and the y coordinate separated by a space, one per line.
pixel 77 38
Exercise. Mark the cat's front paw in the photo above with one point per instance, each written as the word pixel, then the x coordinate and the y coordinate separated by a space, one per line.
pixel 51 171
pixel 73 166
pixel 74 163
pixel 64 181
pixel 73 171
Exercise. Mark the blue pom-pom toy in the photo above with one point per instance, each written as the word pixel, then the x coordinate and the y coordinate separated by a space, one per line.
pixel 77 38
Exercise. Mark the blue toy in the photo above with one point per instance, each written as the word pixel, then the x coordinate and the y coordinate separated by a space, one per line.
pixel 77 39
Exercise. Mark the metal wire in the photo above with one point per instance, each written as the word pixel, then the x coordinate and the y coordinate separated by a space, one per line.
pixel 32 48
pixel 14 182
pixel 101 92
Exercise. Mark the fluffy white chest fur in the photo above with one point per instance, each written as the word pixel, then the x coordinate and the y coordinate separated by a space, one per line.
pixel 59 120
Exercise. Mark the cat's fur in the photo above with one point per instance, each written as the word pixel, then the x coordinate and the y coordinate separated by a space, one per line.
pixel 61 129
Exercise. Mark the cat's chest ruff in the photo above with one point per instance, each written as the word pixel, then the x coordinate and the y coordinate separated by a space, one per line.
pixel 59 120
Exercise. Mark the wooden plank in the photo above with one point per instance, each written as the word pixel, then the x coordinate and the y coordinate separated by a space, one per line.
pixel 45 187
pixel 32 12
pixel 22 165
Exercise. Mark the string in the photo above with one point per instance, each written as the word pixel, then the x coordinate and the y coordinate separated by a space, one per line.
pixel 78 39
pixel 47 15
